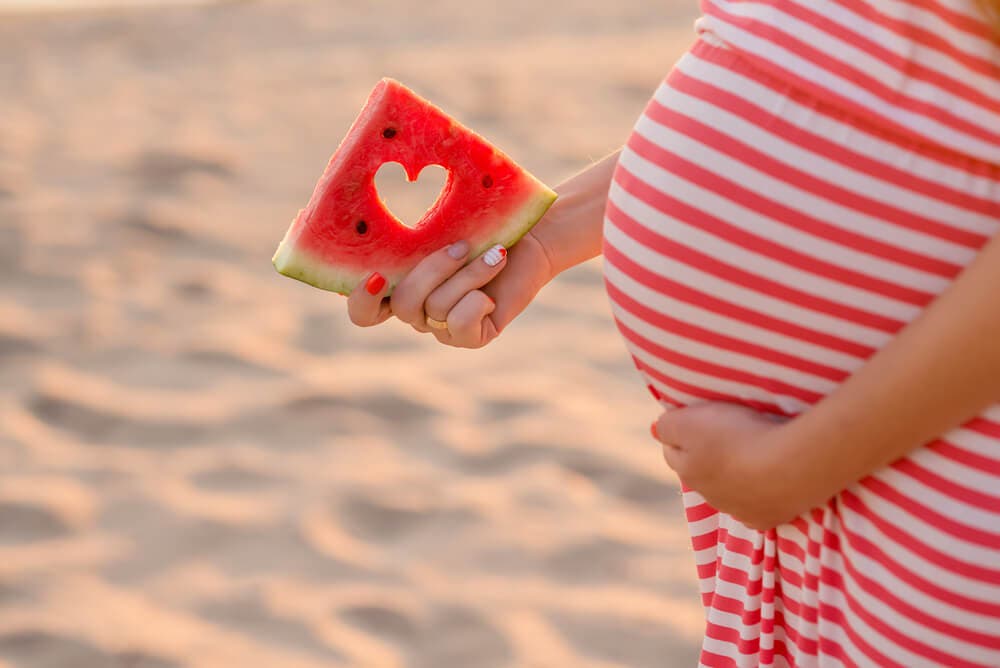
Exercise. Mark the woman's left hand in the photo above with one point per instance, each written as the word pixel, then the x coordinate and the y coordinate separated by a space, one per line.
pixel 734 457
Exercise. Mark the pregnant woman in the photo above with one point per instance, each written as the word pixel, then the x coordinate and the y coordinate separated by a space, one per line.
pixel 802 251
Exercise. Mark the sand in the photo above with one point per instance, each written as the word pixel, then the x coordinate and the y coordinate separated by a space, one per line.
pixel 202 463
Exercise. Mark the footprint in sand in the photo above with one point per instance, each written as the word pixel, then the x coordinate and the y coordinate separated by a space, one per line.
pixel 636 643
pixel 11 346
pixel 507 458
pixel 11 247
pixel 593 561
pixel 236 479
pixel 40 291
pixel 38 649
pixel 449 636
pixel 24 523
pixel 380 521
pixel 107 427
pixel 381 622
pixel 221 362
pixel 141 227
pixel 248 614
pixel 504 409
pixel 390 407
pixel 164 171
pixel 649 493
pixel 194 290
pixel 162 539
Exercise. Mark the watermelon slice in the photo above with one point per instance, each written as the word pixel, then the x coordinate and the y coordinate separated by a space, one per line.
pixel 346 232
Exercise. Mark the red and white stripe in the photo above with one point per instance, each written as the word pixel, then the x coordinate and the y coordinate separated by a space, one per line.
pixel 762 240
pixel 923 67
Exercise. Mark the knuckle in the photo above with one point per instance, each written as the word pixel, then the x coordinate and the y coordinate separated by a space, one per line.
pixel 666 430
pixel 435 305
pixel 459 322
pixel 440 265
pixel 459 333
pixel 679 424
pixel 403 307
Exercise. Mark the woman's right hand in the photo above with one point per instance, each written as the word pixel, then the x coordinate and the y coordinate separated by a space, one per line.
pixel 476 300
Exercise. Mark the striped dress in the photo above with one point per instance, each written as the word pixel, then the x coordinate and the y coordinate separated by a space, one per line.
pixel 809 176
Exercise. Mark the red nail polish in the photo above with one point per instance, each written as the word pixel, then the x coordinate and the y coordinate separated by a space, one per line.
pixel 656 393
pixel 492 301
pixel 502 251
pixel 375 284
pixel 652 430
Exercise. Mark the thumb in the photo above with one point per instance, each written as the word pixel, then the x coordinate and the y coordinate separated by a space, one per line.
pixel 365 305
pixel 674 457
pixel 667 428
pixel 519 282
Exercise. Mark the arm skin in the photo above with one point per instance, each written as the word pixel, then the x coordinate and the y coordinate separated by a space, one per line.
pixel 939 371
pixel 573 230
pixel 477 301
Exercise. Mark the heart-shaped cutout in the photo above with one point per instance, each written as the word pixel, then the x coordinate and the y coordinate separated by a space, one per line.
pixel 410 200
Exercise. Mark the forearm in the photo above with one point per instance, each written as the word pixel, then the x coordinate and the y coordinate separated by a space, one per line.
pixel 939 371
pixel 571 231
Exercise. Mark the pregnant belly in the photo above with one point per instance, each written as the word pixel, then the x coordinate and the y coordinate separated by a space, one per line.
pixel 760 246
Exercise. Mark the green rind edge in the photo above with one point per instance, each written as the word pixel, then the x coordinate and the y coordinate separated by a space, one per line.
pixel 301 266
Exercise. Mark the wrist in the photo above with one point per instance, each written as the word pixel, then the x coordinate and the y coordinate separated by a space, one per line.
pixel 810 465
pixel 572 229
pixel 549 233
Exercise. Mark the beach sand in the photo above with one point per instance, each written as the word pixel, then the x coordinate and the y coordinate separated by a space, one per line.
pixel 202 463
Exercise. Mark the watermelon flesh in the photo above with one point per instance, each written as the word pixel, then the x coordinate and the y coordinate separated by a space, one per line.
pixel 346 232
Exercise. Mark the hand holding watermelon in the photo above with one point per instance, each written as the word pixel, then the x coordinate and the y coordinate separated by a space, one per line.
pixel 476 300
pixel 457 273
pixel 346 232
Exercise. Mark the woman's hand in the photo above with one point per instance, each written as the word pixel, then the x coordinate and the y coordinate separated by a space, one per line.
pixel 735 457
pixel 476 300
pixel 939 371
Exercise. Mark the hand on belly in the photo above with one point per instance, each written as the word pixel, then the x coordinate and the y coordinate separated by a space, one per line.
pixel 733 456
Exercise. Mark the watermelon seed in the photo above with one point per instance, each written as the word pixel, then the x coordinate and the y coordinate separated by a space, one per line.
pixel 389 133
pixel 487 181
pixel 361 227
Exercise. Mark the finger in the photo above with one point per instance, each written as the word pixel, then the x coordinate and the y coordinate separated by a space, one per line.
pixel 667 426
pixel 469 325
pixel 365 305
pixel 674 457
pixel 473 276
pixel 409 296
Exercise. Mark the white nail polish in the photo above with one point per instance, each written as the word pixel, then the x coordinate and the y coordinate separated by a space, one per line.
pixel 495 255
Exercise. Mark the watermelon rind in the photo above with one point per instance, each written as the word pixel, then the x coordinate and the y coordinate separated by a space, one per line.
pixel 302 266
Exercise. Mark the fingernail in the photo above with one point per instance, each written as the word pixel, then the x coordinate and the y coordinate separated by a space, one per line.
pixel 375 284
pixel 495 255
pixel 652 430
pixel 458 250
pixel 655 392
